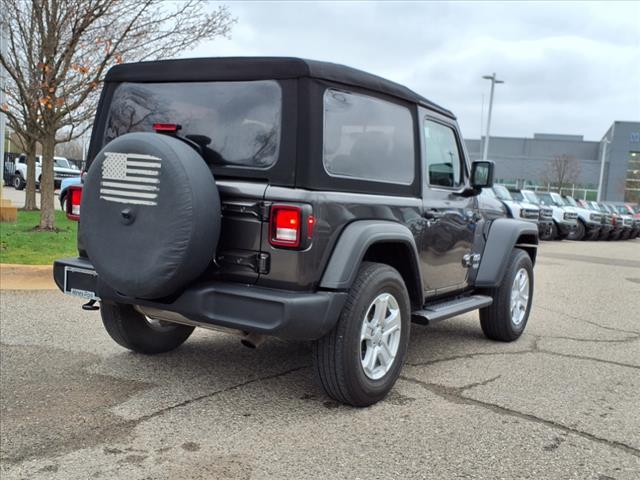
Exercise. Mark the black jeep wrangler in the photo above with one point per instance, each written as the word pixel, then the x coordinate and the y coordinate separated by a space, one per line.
pixel 292 198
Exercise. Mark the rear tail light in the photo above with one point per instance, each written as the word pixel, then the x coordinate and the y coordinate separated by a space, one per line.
pixel 286 226
pixel 74 198
pixel 166 127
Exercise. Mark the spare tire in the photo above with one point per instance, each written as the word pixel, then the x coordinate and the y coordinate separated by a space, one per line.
pixel 150 215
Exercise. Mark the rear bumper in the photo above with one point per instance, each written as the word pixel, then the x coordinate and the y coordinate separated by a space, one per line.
pixel 285 314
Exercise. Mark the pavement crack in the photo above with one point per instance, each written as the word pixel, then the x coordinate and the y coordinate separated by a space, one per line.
pixel 454 395
pixel 469 356
pixel 479 384
pixel 189 401
pixel 592 359
pixel 635 333
pixel 591 340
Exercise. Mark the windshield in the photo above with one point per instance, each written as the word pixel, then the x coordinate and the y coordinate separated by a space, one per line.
pixel 236 123
pixel 487 192
pixel 557 199
pixel 571 201
pixel 517 196
pixel 502 192
pixel 62 162
pixel 531 197
pixel 622 209
pixel 546 198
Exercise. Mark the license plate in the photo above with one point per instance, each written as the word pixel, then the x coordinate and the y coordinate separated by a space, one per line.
pixel 80 282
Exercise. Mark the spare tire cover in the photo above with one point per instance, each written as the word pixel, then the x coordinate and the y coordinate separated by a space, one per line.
pixel 150 215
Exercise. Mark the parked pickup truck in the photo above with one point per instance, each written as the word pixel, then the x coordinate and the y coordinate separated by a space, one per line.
pixel 15 173
pixel 290 198
pixel 62 168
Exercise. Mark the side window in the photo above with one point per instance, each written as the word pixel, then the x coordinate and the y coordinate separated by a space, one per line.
pixel 367 138
pixel 444 165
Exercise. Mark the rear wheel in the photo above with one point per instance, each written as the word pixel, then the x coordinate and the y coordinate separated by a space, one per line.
pixel 506 318
pixel 359 361
pixel 134 331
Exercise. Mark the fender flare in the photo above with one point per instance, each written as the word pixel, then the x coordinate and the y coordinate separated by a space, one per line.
pixel 354 242
pixel 504 235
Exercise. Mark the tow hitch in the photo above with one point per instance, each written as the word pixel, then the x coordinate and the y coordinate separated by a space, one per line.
pixel 90 305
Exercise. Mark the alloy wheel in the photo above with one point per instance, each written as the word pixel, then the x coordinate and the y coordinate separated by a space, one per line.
pixel 380 336
pixel 519 296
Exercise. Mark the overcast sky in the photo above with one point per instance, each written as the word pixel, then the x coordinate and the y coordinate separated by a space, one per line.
pixel 569 67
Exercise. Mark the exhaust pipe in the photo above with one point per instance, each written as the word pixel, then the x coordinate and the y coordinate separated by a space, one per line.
pixel 252 340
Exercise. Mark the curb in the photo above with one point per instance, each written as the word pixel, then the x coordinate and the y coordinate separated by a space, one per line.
pixel 26 277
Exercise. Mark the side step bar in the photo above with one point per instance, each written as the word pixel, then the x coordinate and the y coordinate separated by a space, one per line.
pixel 437 312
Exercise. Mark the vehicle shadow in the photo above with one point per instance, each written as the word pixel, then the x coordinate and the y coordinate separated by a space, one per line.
pixel 211 362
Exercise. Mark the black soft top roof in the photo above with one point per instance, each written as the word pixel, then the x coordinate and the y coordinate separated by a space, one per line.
pixel 261 68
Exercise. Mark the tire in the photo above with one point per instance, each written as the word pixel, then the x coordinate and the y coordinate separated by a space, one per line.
pixel 579 232
pixel 18 182
pixel 150 247
pixel 554 232
pixel 130 329
pixel 497 320
pixel 339 355
pixel 63 202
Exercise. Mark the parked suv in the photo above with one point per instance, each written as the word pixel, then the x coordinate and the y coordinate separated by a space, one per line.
pixel 627 210
pixel 589 222
pixel 520 209
pixel 293 198
pixel 564 221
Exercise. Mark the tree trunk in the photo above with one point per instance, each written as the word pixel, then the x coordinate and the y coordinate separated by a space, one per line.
pixel 47 211
pixel 30 194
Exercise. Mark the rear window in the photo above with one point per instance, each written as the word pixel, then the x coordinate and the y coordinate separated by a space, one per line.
pixel 367 138
pixel 237 123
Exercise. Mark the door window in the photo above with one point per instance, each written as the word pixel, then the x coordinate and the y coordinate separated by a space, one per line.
pixel 444 166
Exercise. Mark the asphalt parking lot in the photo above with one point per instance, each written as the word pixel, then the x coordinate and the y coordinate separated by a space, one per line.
pixel 562 402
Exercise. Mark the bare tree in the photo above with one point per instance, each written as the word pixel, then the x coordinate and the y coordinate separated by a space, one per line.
pixel 562 171
pixel 72 149
pixel 60 57
pixel 22 101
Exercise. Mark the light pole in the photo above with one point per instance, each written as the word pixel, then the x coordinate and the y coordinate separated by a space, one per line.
pixel 494 80
pixel 605 142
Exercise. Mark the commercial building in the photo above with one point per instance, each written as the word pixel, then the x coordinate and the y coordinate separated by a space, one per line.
pixel 529 159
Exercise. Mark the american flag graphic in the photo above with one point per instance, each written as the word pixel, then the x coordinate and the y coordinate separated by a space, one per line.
pixel 130 178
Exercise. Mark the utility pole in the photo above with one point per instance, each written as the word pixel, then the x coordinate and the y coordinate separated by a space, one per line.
pixel 3 80
pixel 494 80
pixel 605 142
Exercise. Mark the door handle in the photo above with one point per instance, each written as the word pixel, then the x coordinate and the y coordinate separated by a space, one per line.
pixel 433 214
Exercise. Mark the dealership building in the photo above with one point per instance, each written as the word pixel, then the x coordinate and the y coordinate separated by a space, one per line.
pixel 520 160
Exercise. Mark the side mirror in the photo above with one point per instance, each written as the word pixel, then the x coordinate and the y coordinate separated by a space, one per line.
pixel 482 174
